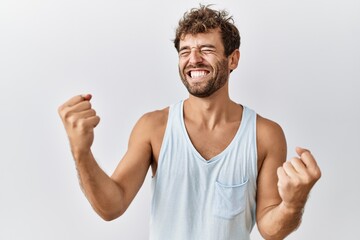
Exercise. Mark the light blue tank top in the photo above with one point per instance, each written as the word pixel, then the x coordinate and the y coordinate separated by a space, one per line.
pixel 200 199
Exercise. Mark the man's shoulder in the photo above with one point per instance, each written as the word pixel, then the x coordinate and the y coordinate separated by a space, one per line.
pixel 151 124
pixel 266 126
pixel 270 136
pixel 155 119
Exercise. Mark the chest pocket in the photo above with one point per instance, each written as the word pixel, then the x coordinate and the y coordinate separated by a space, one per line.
pixel 229 200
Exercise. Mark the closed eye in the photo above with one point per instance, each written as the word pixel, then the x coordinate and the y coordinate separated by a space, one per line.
pixel 207 50
pixel 184 53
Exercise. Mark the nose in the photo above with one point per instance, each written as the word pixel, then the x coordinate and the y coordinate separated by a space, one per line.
pixel 195 56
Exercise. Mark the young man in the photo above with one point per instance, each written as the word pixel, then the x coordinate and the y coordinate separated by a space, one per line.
pixel 218 166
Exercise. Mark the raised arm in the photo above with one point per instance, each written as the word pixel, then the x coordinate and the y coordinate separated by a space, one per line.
pixel 109 196
pixel 283 186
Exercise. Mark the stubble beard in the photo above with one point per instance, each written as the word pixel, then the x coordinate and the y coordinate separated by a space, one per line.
pixel 217 81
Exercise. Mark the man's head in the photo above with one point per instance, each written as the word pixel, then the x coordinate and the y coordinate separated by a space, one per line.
pixel 207 42
pixel 204 19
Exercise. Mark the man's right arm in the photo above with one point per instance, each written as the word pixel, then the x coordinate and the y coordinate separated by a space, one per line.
pixel 109 196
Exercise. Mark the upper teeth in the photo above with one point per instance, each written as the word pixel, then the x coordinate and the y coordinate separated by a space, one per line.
pixel 195 74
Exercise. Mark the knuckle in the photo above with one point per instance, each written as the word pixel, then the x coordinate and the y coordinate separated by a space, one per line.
pixel 62 112
pixel 307 179
pixel 296 182
pixel 88 104
pixel 60 109
pixel 287 165
pixel 97 120
pixel 66 115
pixel 81 123
pixel 72 121
pixel 317 173
pixel 295 160
pixel 285 182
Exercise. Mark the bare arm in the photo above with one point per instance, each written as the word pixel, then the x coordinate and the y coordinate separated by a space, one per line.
pixel 283 187
pixel 109 196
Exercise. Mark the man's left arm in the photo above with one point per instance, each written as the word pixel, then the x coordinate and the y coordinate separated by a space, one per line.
pixel 283 186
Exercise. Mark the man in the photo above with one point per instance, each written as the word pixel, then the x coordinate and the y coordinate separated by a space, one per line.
pixel 217 166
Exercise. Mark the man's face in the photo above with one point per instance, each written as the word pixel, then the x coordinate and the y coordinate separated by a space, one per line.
pixel 203 66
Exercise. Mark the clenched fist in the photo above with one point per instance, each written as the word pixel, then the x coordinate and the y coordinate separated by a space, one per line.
pixel 79 120
pixel 296 178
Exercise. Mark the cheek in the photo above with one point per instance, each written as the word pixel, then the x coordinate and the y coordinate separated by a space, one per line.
pixel 182 65
pixel 181 71
pixel 213 63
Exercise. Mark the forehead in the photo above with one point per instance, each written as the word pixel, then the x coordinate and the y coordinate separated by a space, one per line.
pixel 212 37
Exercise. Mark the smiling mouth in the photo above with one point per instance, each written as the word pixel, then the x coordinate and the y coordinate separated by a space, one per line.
pixel 197 73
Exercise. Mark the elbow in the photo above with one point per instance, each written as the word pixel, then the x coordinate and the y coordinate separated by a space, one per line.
pixel 279 234
pixel 109 204
pixel 108 218
pixel 270 236
pixel 109 214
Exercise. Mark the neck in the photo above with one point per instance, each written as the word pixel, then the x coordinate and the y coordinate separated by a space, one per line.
pixel 213 110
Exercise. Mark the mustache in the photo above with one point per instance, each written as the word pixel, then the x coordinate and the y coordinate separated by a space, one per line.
pixel 198 65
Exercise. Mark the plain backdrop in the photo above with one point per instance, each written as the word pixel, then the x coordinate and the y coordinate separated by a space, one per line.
pixel 299 67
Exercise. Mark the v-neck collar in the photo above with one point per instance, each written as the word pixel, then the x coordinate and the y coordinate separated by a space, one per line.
pixel 222 153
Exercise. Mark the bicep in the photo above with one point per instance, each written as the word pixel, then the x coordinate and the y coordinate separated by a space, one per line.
pixel 272 143
pixel 130 173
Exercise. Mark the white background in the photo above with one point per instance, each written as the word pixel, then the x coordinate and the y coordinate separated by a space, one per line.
pixel 299 67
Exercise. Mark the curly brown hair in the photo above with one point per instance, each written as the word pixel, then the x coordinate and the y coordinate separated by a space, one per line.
pixel 204 19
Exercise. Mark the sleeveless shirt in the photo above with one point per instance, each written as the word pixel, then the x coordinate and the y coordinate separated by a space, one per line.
pixel 194 198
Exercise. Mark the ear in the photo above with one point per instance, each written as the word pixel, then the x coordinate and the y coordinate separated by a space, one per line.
pixel 234 59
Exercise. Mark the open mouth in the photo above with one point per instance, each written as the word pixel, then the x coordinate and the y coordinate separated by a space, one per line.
pixel 197 73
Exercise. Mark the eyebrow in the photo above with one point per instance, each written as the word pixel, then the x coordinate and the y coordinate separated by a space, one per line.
pixel 201 46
